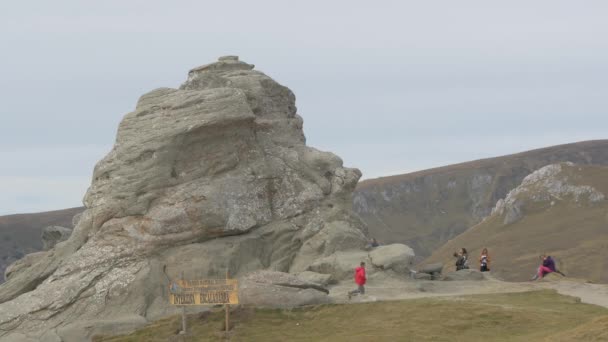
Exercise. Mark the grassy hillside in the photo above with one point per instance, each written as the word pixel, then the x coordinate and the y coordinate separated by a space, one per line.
pixel 540 316
pixel 426 209
pixel 574 232
pixel 20 234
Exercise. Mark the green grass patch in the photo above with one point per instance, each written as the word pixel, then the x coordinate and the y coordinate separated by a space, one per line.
pixel 499 317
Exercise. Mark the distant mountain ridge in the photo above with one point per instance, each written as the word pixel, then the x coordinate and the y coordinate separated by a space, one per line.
pixel 427 208
pixel 20 233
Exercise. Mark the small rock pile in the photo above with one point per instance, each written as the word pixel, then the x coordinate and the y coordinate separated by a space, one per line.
pixel 429 272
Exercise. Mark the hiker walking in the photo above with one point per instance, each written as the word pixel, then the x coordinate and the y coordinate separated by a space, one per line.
pixel 360 279
pixel 484 261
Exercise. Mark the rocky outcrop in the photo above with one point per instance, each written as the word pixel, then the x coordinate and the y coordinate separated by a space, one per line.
pixel 341 265
pixel 280 290
pixel 426 209
pixel 210 177
pixel 316 278
pixel 429 272
pixel 52 235
pixel 545 185
pixel 20 234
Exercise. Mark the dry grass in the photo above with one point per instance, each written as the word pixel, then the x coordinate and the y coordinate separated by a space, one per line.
pixel 502 317
pixel 575 234
pixel 425 209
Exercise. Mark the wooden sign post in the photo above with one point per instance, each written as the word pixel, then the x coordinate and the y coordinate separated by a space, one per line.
pixel 227 307
pixel 204 292
pixel 184 318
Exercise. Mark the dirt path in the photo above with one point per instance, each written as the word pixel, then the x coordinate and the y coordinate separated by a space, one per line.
pixel 382 289
pixel 588 293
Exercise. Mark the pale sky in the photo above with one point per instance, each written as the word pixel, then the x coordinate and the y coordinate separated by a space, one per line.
pixel 390 86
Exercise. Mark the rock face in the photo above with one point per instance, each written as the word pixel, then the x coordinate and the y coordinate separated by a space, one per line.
pixel 20 234
pixel 280 290
pixel 426 209
pixel 315 278
pixel 212 176
pixel 548 184
pixel 52 235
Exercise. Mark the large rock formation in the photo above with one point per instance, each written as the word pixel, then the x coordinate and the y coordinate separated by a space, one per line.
pixel 428 208
pixel 210 177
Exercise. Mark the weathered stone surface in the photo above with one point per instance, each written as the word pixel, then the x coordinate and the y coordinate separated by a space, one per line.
pixel 548 184
pixel 468 274
pixel 210 177
pixel 341 265
pixel 22 264
pixel 280 290
pixel 431 268
pixel 397 257
pixel 316 278
pixel 52 235
pixel 324 239
pixel 75 219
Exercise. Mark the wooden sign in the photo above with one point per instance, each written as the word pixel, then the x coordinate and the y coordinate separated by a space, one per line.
pixel 204 292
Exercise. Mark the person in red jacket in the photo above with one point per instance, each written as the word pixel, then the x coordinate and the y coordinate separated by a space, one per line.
pixel 360 279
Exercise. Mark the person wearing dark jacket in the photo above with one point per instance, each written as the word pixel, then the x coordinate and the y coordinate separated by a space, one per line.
pixel 360 280
pixel 547 266
pixel 462 259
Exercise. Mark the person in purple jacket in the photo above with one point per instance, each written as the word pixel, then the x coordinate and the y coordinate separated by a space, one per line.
pixel 547 266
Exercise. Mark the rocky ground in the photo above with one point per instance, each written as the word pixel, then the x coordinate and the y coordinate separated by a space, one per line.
pixel 386 289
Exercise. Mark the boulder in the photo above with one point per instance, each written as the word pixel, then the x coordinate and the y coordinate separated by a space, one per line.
pixel 468 274
pixel 431 268
pixel 341 265
pixel 52 235
pixel 397 257
pixel 279 290
pixel 316 278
